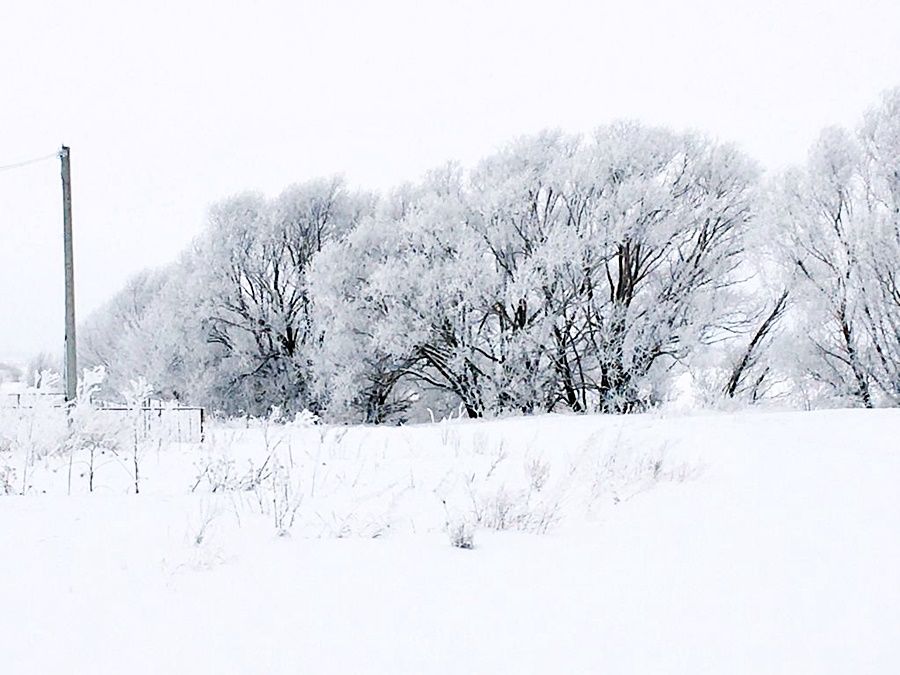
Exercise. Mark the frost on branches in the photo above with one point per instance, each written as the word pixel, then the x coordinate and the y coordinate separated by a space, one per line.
pixel 562 273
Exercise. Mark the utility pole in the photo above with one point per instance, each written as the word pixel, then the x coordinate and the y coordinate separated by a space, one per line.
pixel 71 358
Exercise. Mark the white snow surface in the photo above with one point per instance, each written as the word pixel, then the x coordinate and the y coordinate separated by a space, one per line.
pixel 753 542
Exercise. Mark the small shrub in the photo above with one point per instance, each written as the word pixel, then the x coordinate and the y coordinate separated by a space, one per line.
pixel 462 534
pixel 622 474
pixel 538 473
pixel 285 497
pixel 502 511
pixel 7 471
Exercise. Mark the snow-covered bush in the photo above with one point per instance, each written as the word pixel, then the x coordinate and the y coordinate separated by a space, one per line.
pixel 90 431
pixel 461 534
pixel 7 470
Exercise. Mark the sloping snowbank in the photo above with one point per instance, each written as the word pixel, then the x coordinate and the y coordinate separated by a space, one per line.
pixel 753 542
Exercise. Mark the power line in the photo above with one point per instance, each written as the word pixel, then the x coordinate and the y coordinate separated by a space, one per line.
pixel 16 165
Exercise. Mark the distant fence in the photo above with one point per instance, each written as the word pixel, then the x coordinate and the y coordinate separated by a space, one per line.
pixel 170 424
pixel 166 423
pixel 31 399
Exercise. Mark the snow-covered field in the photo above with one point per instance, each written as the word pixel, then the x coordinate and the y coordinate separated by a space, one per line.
pixel 755 542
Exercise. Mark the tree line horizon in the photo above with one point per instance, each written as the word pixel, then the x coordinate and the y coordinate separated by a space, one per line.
pixel 563 272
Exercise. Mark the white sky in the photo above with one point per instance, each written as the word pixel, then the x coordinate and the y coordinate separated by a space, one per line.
pixel 170 106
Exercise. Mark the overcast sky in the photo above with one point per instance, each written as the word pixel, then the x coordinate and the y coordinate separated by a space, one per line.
pixel 170 106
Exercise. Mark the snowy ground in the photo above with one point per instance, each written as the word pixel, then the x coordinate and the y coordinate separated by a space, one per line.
pixel 721 543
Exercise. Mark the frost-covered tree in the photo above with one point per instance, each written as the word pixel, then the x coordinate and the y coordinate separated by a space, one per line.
pixel 151 329
pixel 256 254
pixel 627 246
pixel 120 336
pixel 838 217
pixel 398 298
pixel 880 139
pixel 822 227
pixel 228 325
pixel 357 370
pixel 559 273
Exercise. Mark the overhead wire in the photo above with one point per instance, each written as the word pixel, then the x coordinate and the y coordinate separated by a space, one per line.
pixel 35 160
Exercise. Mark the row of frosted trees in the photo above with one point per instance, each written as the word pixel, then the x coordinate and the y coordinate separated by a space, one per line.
pixel 562 273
